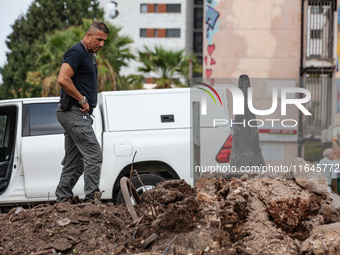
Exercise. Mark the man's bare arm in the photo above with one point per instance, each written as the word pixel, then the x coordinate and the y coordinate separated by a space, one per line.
pixel 66 83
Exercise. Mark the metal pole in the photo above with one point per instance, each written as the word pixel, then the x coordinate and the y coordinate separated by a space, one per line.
pixel 300 130
pixel 196 130
pixel 190 72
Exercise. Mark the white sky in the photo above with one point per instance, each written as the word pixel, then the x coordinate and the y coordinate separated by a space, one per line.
pixel 10 10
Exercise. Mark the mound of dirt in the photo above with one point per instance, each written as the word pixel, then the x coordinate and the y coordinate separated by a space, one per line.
pixel 218 216
pixel 66 228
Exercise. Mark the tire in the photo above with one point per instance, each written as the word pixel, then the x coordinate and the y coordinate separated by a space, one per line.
pixel 149 180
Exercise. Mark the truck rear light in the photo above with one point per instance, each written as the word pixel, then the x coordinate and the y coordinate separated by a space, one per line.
pixel 223 156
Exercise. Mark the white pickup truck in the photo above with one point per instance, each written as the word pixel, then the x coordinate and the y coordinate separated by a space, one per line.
pixel 155 123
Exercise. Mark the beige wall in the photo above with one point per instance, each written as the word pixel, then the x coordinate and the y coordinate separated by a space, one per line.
pixel 261 39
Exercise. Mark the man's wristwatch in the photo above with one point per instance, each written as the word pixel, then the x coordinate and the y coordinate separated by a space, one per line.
pixel 84 101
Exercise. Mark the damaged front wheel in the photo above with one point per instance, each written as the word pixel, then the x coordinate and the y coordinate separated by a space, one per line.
pixel 149 181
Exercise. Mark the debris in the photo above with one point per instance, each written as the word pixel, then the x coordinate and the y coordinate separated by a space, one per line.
pixel 324 239
pixel 44 252
pixel 167 248
pixel 308 177
pixel 64 222
pixel 60 244
pixel 218 216
pixel 336 201
pixel 146 243
pixel 125 183
pixel 18 210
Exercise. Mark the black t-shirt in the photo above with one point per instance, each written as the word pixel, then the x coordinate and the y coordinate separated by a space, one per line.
pixel 85 71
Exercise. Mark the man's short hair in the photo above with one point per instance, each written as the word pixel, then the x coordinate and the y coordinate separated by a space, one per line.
pixel 327 152
pixel 98 26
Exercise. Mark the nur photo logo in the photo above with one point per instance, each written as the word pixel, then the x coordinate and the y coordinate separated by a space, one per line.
pixel 281 98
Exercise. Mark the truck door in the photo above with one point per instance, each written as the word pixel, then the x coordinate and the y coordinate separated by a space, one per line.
pixel 8 153
pixel 43 150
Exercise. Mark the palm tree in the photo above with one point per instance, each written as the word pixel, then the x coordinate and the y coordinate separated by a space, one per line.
pixel 48 61
pixel 169 66
pixel 114 55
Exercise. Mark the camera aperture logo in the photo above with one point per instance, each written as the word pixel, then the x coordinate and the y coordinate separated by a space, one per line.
pixel 204 99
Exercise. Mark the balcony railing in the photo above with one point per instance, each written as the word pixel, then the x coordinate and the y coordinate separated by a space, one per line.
pixel 320 86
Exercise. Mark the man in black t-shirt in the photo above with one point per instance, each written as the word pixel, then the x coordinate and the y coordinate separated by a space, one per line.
pixel 78 81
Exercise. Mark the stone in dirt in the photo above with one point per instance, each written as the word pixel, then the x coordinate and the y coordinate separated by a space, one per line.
pixel 308 177
pixel 60 244
pixel 336 201
pixel 324 239
pixel 285 201
pixel 196 242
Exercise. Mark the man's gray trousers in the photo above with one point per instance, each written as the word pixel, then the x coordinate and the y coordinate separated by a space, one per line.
pixel 82 154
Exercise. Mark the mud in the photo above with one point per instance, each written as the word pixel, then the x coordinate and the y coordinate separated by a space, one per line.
pixel 218 216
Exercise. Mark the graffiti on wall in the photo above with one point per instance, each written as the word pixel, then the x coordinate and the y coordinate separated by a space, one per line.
pixel 211 21
pixel 112 8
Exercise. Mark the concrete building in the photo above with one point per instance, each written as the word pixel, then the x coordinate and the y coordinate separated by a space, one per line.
pixel 278 43
pixel 171 24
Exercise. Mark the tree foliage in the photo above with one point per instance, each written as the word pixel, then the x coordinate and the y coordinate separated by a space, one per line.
pixel 167 66
pixel 110 59
pixel 313 151
pixel 43 17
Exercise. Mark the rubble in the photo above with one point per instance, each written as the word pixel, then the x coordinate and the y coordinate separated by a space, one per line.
pixel 218 216
pixel 324 239
pixel 308 177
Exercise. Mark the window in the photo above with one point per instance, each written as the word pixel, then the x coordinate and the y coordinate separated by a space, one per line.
pixel 320 104
pixel 142 32
pixel 316 9
pixel 198 42
pixel 173 8
pixel 159 32
pixel 316 34
pixel 198 18
pixel 320 25
pixel 7 133
pixel 143 8
pixel 3 121
pixel 147 32
pixel 160 8
pixel 173 32
pixel 41 119
pixel 8 124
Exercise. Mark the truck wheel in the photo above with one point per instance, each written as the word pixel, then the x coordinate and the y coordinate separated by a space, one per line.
pixel 149 180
